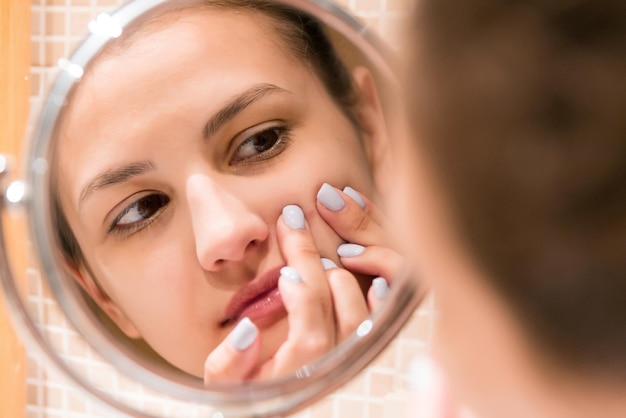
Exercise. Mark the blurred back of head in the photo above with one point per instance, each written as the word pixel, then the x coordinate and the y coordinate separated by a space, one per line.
pixel 522 107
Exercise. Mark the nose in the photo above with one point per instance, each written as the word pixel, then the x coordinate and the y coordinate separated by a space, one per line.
pixel 224 228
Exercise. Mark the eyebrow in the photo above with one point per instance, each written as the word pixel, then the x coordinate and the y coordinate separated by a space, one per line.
pixel 114 176
pixel 237 105
pixel 230 110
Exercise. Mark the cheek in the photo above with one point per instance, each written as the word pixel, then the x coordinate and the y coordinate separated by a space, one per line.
pixel 153 285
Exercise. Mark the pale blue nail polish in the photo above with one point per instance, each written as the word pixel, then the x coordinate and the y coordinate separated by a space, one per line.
pixel 244 334
pixel 350 250
pixel 293 217
pixel 354 195
pixel 329 197
pixel 381 288
pixel 290 274
pixel 328 264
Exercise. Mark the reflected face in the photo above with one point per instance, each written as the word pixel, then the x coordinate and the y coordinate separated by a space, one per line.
pixel 178 155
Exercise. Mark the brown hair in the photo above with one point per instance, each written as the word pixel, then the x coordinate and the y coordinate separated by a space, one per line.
pixel 302 34
pixel 522 107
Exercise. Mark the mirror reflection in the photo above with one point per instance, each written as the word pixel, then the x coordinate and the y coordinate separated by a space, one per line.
pixel 216 189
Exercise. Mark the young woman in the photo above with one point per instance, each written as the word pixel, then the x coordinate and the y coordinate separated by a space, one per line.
pixel 519 162
pixel 207 180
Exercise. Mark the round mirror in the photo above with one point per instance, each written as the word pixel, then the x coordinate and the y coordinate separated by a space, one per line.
pixel 203 194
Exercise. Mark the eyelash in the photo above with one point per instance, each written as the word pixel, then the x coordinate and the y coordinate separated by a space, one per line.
pixel 126 230
pixel 283 140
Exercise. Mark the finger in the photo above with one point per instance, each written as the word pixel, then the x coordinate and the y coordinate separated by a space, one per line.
pixel 310 334
pixel 350 215
pixel 377 293
pixel 235 358
pixel 300 252
pixel 306 296
pixel 372 260
pixel 348 301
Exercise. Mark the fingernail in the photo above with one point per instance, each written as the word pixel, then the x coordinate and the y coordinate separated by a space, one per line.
pixel 290 274
pixel 350 250
pixel 355 196
pixel 381 288
pixel 328 264
pixel 244 334
pixel 293 217
pixel 329 197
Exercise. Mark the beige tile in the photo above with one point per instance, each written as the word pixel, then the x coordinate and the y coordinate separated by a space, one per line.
pixel 35 61
pixel 36 23
pixel 349 408
pixel 76 404
pixel 54 23
pixel 322 409
pixel 380 384
pixel 387 357
pixel 32 394
pixel 79 20
pixel 417 328
pixel 54 397
pixel 53 51
pixel 32 368
pixel 376 410
pixel 355 387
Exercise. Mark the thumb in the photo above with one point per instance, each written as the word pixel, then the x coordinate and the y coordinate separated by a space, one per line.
pixel 235 358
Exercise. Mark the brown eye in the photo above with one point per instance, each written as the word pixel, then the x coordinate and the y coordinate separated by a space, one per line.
pixel 259 144
pixel 141 210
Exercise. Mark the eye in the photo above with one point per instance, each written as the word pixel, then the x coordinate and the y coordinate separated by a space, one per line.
pixel 261 145
pixel 139 214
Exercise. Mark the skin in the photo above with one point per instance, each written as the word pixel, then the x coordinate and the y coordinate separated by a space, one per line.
pixel 169 281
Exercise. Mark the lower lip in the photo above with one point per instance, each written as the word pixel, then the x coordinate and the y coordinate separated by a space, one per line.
pixel 267 310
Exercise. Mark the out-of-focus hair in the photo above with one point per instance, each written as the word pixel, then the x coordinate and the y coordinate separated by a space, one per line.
pixel 521 105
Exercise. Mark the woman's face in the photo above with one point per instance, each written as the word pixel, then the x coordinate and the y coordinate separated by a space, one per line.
pixel 177 156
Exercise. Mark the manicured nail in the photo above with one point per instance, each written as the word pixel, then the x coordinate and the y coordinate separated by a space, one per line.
pixel 355 196
pixel 329 197
pixel 328 264
pixel 293 217
pixel 350 250
pixel 290 274
pixel 381 288
pixel 244 334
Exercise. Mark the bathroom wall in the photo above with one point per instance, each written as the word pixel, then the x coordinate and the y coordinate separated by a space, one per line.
pixel 378 392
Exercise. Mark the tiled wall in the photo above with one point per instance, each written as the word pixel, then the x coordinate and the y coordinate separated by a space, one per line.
pixel 378 392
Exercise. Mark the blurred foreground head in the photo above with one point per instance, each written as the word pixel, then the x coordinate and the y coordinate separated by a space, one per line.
pixel 518 118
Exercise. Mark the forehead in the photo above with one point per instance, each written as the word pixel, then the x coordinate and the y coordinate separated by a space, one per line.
pixel 177 44
pixel 207 52
pixel 176 72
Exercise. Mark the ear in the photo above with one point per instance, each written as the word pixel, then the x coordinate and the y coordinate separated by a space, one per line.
pixel 371 119
pixel 85 279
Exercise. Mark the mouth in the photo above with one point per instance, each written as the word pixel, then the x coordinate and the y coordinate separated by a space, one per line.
pixel 260 300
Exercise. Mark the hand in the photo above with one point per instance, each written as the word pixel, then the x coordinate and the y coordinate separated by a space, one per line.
pixel 357 220
pixel 324 306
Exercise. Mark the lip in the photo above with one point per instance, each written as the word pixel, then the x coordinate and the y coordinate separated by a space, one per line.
pixel 259 300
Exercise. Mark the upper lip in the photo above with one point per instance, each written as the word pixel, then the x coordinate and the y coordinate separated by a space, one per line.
pixel 249 293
